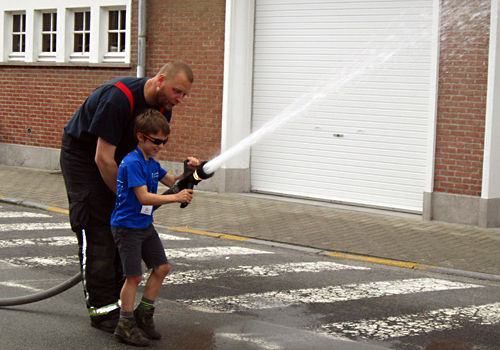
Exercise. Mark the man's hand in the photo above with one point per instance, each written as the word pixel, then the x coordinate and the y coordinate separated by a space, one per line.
pixel 105 160
pixel 193 163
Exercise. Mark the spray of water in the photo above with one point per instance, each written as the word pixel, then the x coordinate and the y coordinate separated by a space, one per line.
pixel 335 83
pixel 296 109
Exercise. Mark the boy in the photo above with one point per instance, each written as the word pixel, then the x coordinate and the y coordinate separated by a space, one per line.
pixel 132 228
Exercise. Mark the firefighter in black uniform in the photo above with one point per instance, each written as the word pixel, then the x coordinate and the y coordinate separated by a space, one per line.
pixel 94 142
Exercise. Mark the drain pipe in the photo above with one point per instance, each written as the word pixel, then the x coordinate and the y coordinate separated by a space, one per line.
pixel 141 50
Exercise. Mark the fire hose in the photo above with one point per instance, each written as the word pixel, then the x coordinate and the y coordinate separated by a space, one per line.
pixel 189 180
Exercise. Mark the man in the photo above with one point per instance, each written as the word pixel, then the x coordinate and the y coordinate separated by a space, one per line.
pixel 94 142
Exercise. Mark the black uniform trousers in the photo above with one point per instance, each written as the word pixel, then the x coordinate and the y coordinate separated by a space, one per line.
pixel 91 203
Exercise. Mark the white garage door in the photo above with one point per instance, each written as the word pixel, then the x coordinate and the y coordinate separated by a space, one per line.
pixel 357 76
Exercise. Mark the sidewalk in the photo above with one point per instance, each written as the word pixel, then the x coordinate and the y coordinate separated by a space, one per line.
pixel 456 249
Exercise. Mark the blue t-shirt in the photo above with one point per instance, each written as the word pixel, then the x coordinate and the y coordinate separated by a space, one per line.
pixel 135 171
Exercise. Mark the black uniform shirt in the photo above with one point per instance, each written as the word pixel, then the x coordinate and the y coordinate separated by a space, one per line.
pixel 107 114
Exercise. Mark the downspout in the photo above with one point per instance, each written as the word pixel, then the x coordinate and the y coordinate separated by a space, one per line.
pixel 141 50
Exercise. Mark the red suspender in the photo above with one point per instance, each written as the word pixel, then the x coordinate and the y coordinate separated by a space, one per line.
pixel 127 93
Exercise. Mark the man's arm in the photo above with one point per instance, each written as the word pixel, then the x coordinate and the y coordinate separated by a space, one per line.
pixel 105 160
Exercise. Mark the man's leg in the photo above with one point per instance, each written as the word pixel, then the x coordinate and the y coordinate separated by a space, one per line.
pixel 91 204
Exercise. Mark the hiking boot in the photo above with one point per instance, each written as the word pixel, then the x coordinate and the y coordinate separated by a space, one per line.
pixel 128 332
pixel 106 322
pixel 144 319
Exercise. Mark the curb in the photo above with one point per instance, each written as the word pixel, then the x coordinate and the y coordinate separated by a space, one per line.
pixel 365 258
pixel 343 255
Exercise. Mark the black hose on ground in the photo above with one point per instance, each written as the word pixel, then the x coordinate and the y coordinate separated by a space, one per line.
pixel 49 293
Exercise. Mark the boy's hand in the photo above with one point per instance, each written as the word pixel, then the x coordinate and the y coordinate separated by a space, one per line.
pixel 193 163
pixel 185 196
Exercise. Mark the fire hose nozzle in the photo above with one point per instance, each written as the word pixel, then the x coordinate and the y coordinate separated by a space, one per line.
pixel 194 178
pixel 190 179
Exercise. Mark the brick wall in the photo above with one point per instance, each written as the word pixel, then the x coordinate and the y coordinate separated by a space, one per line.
pixel 43 98
pixel 463 68
pixel 191 30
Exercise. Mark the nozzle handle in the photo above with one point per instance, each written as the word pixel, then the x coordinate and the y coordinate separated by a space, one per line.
pixel 189 185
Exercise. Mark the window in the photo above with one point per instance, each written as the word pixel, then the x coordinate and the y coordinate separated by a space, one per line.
pixel 19 33
pixel 116 31
pixel 66 32
pixel 49 32
pixel 81 41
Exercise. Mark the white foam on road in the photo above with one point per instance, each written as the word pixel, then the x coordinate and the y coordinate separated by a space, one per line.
pixel 193 276
pixel 330 294
pixel 418 324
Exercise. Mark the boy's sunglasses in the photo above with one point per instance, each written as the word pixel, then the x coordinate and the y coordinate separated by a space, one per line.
pixel 154 140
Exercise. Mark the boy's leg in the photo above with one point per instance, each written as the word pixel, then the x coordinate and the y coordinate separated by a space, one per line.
pixel 155 281
pixel 145 310
pixel 127 330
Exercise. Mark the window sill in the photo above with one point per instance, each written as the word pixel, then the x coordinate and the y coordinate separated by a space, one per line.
pixel 68 64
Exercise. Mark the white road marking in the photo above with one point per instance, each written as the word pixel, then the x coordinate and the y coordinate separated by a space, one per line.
pixel 253 339
pixel 47 261
pixel 331 294
pixel 204 253
pixel 193 276
pixel 19 285
pixel 167 237
pixel 57 241
pixel 35 226
pixel 418 324
pixel 51 241
pixel 22 214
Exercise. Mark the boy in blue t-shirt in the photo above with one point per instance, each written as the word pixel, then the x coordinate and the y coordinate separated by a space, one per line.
pixel 133 230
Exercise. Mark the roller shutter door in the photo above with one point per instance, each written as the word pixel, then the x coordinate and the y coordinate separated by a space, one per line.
pixel 358 76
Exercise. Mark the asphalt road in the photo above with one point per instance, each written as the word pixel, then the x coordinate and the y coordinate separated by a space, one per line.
pixel 230 294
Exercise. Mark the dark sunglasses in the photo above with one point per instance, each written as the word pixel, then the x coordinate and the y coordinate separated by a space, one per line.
pixel 154 140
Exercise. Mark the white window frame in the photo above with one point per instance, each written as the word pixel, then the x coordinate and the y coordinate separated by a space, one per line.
pixel 49 56
pixel 65 11
pixel 17 55
pixel 84 32
pixel 114 56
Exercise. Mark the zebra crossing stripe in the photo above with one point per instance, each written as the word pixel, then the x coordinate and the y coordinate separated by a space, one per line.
pixel 188 253
pixel 51 241
pixel 193 276
pixel 330 294
pixel 34 226
pixel 167 237
pixel 22 214
pixel 19 285
pixel 211 252
pixel 60 241
pixel 47 261
pixel 418 324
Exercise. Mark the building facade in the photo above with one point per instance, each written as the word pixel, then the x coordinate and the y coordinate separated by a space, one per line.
pixel 384 104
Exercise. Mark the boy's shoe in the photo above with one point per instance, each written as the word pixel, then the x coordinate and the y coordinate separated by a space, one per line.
pixel 144 318
pixel 128 332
